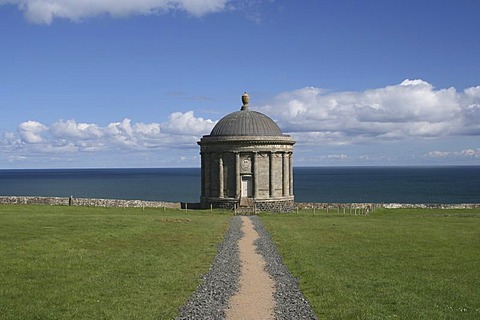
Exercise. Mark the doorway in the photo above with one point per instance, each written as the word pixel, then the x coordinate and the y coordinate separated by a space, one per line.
pixel 246 186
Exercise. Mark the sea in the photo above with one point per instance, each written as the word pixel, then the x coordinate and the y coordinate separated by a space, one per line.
pixel 449 184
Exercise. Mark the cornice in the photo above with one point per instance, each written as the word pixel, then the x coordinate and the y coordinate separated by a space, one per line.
pixel 246 140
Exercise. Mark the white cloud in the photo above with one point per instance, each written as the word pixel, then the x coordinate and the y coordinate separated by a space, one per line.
pixel 70 129
pixel 9 138
pixel 45 11
pixel 31 132
pixel 187 123
pixel 413 108
pixel 438 154
pixel 180 131
pixel 397 124
pixel 464 154
pixel 470 153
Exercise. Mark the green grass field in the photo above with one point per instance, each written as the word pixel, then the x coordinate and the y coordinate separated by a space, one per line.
pixel 110 263
pixel 392 264
pixel 102 263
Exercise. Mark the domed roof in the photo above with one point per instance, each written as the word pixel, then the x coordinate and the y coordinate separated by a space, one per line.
pixel 246 123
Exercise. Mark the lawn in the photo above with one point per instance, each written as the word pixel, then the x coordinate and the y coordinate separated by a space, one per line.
pixel 102 263
pixel 391 264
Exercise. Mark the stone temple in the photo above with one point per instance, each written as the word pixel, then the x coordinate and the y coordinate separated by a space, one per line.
pixel 247 162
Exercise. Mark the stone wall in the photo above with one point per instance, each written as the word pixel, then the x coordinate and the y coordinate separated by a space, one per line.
pixel 256 206
pixel 432 206
pixel 230 180
pixel 333 206
pixel 60 201
pixel 228 205
pixel 277 175
pixel 261 180
pixel 261 206
pixel 275 206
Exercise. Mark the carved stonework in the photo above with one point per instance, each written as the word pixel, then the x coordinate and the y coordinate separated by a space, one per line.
pixel 246 164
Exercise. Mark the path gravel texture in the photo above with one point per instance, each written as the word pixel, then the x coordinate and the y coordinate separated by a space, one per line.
pixel 222 281
pixel 254 298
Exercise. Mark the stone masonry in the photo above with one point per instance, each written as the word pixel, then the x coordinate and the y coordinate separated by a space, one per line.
pixel 246 161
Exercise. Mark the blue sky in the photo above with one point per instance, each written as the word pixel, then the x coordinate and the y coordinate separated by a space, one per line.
pixel 135 83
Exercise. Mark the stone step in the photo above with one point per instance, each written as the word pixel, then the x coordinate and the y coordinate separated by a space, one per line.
pixel 245 211
pixel 246 202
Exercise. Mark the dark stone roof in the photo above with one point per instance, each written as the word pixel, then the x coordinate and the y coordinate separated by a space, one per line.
pixel 246 123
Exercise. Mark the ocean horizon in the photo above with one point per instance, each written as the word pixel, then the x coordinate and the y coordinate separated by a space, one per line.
pixel 380 184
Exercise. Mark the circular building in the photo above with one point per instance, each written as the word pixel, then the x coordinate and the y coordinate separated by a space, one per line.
pixel 247 162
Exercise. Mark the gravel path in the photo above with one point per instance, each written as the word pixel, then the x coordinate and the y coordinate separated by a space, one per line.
pixel 221 282
pixel 254 298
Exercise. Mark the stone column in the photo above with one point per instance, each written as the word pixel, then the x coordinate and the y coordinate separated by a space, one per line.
pixel 284 175
pixel 271 173
pixel 220 176
pixel 202 161
pixel 255 174
pixel 290 173
pixel 237 175
pixel 208 173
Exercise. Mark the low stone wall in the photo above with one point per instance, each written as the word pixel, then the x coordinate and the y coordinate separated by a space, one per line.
pixel 432 206
pixel 324 205
pixel 274 206
pixel 345 208
pixel 61 201
pixel 334 206
pixel 227 205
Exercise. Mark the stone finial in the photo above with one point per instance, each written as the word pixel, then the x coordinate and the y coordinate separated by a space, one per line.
pixel 245 100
